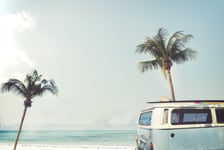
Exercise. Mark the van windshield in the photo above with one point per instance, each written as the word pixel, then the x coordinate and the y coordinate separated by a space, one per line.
pixel 145 118
pixel 190 116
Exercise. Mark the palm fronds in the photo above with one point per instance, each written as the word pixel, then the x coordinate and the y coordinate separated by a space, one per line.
pixel 15 86
pixel 166 54
pixel 33 86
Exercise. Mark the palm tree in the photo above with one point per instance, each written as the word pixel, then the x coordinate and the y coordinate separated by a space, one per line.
pixel 32 86
pixel 166 54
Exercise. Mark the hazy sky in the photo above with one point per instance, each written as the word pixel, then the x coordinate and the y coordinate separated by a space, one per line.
pixel 88 48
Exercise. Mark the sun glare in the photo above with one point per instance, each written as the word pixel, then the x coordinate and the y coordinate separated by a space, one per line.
pixel 9 52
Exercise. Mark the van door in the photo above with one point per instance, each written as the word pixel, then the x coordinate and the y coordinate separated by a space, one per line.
pixel 181 140
pixel 188 130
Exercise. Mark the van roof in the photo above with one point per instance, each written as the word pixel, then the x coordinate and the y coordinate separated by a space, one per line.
pixel 189 101
pixel 185 103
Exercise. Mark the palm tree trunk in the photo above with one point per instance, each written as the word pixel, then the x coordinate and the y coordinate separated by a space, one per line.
pixel 20 127
pixel 171 85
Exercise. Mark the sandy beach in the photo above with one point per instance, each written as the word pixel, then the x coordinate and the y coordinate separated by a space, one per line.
pixel 64 147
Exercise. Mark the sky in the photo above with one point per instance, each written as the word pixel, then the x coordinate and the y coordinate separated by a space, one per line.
pixel 88 48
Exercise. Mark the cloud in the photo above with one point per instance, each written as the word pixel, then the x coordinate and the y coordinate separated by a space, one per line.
pixel 10 25
pixel 17 22
pixel 85 123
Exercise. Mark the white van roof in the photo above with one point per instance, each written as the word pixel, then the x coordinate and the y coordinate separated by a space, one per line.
pixel 186 103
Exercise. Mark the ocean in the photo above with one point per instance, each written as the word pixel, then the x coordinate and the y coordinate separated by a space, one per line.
pixel 80 138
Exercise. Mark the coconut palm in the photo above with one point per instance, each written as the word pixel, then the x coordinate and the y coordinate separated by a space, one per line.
pixel 165 54
pixel 32 86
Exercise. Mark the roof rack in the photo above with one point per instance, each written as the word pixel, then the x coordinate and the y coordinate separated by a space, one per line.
pixel 187 101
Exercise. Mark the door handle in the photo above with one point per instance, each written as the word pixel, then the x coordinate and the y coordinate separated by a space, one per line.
pixel 172 135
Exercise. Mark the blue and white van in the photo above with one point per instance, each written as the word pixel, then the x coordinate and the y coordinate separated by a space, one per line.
pixel 181 125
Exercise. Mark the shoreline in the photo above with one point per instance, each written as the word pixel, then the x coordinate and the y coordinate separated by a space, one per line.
pixel 7 146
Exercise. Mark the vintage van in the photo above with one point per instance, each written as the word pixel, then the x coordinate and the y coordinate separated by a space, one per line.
pixel 181 125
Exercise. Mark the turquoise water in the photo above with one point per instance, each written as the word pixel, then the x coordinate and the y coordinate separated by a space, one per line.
pixel 86 137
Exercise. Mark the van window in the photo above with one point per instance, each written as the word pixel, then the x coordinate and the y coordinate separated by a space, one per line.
pixel 145 118
pixel 165 116
pixel 191 116
pixel 220 115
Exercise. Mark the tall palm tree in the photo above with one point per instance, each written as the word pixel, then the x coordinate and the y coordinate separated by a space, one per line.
pixel 32 86
pixel 165 54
